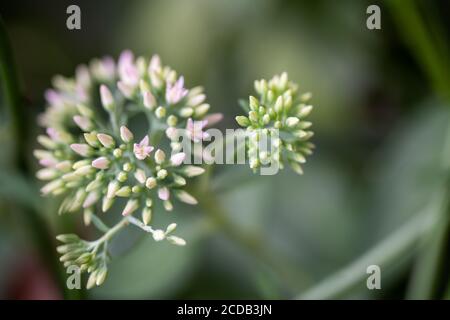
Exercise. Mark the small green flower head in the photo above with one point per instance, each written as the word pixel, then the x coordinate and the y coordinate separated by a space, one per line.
pixel 278 112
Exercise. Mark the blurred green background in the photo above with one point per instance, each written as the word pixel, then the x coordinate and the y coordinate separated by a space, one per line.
pixel 379 127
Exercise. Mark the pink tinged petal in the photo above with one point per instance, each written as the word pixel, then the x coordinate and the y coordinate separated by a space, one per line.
pixel 126 134
pixel 190 125
pixel 205 136
pixel 53 134
pixel 213 119
pixel 91 199
pixel 195 130
pixel 176 92
pixel 53 97
pixel 155 63
pixel 149 100
pixel 125 59
pixel 144 141
pixel 108 67
pixel 186 197
pixel 148 149
pixel 101 163
pixel 106 96
pixel 140 176
pixel 177 159
pixel 48 162
pixel 196 100
pixel 172 133
pixel 83 122
pixel 142 149
pixel 106 140
pixel 131 206
pixel 80 148
pixel 130 75
pixel 163 193
pixel 82 76
pixel 81 93
pixel 126 90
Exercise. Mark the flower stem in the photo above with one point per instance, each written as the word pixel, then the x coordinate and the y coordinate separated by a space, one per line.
pixel 99 224
pixel 111 232
pixel 385 254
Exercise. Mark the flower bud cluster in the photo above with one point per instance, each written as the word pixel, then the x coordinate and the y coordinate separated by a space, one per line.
pixel 278 116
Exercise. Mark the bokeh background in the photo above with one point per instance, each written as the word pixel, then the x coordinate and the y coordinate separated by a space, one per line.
pixel 379 123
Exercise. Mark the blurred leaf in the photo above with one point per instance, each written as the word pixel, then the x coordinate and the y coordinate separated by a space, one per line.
pixel 406 171
pixel 14 187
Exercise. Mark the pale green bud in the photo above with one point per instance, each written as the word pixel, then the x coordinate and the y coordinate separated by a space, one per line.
pixel 162 174
pixel 101 276
pixel 305 111
pixel 122 176
pixel 186 112
pixel 146 215
pixel 253 116
pixel 91 280
pixel 131 206
pixel 305 97
pixel 296 167
pixel 160 112
pixel 292 121
pixel 46 142
pixel 136 189
pixel 179 180
pixel 253 103
pixel 160 156
pixel 107 203
pixel 192 171
pixel 201 110
pixel 172 121
pixel 168 205
pixel 176 240
pixel 85 111
pixel 279 104
pixel 151 183
pixel 127 167
pixel 270 96
pixel 124 192
pixel 87 216
pixel 80 163
pixel 91 139
pixel 242 121
pixel 117 153
pixel 185 197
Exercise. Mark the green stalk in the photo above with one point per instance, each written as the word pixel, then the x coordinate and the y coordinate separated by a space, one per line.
pixel 37 227
pixel 385 255
pixel 424 44
pixel 431 52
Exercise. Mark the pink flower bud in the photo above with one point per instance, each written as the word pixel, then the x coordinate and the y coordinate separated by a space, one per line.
pixel 106 97
pixel 101 163
pixel 177 159
pixel 163 193
pixel 106 140
pixel 126 134
pixel 80 148
pixel 83 122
